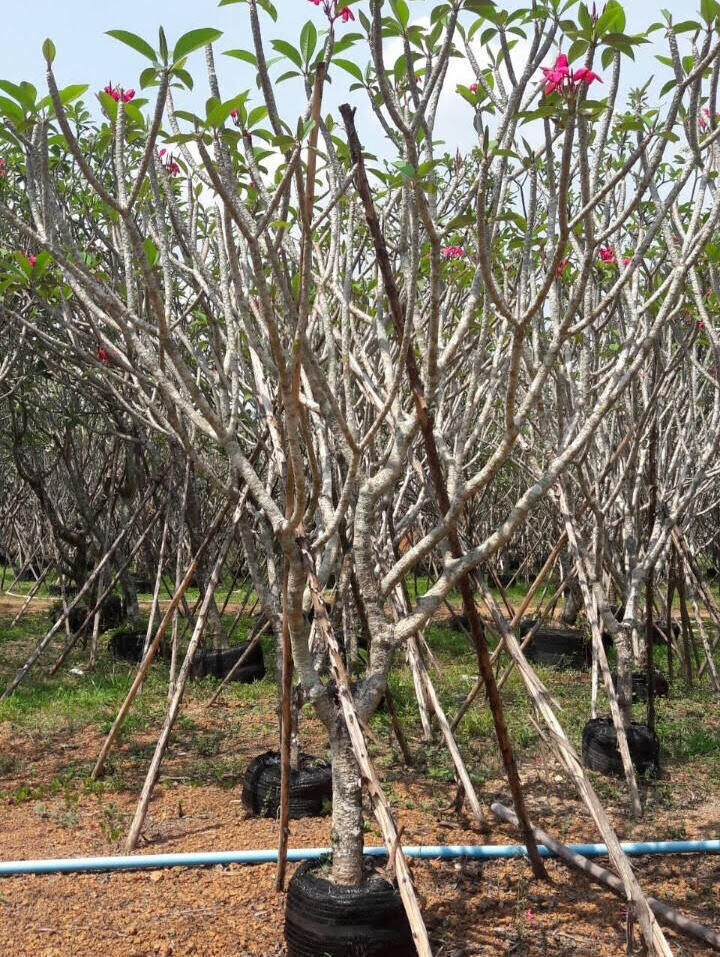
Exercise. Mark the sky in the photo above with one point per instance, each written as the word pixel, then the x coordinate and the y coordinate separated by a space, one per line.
pixel 86 55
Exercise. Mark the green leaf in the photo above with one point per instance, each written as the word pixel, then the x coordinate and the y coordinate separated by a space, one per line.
pixel 134 41
pixel 687 26
pixel 256 114
pixel 607 56
pixel 48 51
pixel 269 9
pixel 70 93
pixel 108 103
pixel 28 94
pixel 189 42
pixel 219 112
pixel 148 77
pixel 151 251
pixel 162 40
pixel 576 50
pixel 288 50
pixel 401 11
pixel 352 68
pixel 585 20
pixel 245 55
pixel 612 19
pixel 184 77
pixel 708 10
pixel 12 89
pixel 308 40
pixel 10 109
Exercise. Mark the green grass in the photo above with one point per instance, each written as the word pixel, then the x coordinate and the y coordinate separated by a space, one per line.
pixel 688 722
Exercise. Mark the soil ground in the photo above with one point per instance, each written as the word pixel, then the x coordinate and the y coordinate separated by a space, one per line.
pixel 51 731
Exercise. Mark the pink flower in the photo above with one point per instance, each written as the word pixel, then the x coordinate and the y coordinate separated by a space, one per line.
pixel 3 171
pixel 452 252
pixel 102 354
pixel 128 95
pixel 30 259
pixel 111 91
pixel 627 260
pixel 561 77
pixel 331 11
pixel 473 88
pixel 701 324
pixel 562 266
pixel 583 75
pixel 555 75
pixel 705 118
pixel 607 255
pixel 169 164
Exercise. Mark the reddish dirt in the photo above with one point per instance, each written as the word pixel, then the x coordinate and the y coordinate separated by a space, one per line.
pixel 489 909
pixel 492 908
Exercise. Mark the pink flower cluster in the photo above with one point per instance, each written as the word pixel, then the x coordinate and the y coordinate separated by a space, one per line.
pixel 560 77
pixel 607 255
pixel 452 252
pixel 331 10
pixel 169 164
pixel 705 119
pixel 30 259
pixel 117 93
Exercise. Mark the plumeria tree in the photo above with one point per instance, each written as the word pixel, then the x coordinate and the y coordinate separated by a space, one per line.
pixel 356 351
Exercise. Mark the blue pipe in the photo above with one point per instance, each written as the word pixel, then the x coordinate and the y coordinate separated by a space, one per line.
pixel 443 852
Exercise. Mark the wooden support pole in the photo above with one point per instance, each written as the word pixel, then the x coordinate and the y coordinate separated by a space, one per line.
pixel 668 915
pixel 154 644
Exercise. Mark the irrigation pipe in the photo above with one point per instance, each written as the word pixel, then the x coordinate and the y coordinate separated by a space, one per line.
pixel 75 865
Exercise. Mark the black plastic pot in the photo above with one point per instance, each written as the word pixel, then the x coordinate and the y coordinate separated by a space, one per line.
pixel 363 920
pixel 459 623
pixel 310 786
pixel 219 663
pixel 640 685
pixel 557 646
pixel 600 751
pixel 77 614
pixel 127 645
pixel 112 612
pixel 659 636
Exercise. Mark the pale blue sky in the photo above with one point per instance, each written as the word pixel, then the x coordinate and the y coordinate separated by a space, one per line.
pixel 86 55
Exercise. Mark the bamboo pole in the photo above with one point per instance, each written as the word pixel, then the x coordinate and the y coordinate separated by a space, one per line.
pixel 652 933
pixel 516 618
pixel 254 640
pixel 380 805
pixel 48 637
pixel 704 591
pixel 174 707
pixel 162 627
pixel 95 610
pixel 679 922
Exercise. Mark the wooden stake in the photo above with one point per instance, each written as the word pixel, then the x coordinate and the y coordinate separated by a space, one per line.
pixel 154 644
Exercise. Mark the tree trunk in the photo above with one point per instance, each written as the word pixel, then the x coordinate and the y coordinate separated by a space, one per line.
pixel 573 603
pixel 347 816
